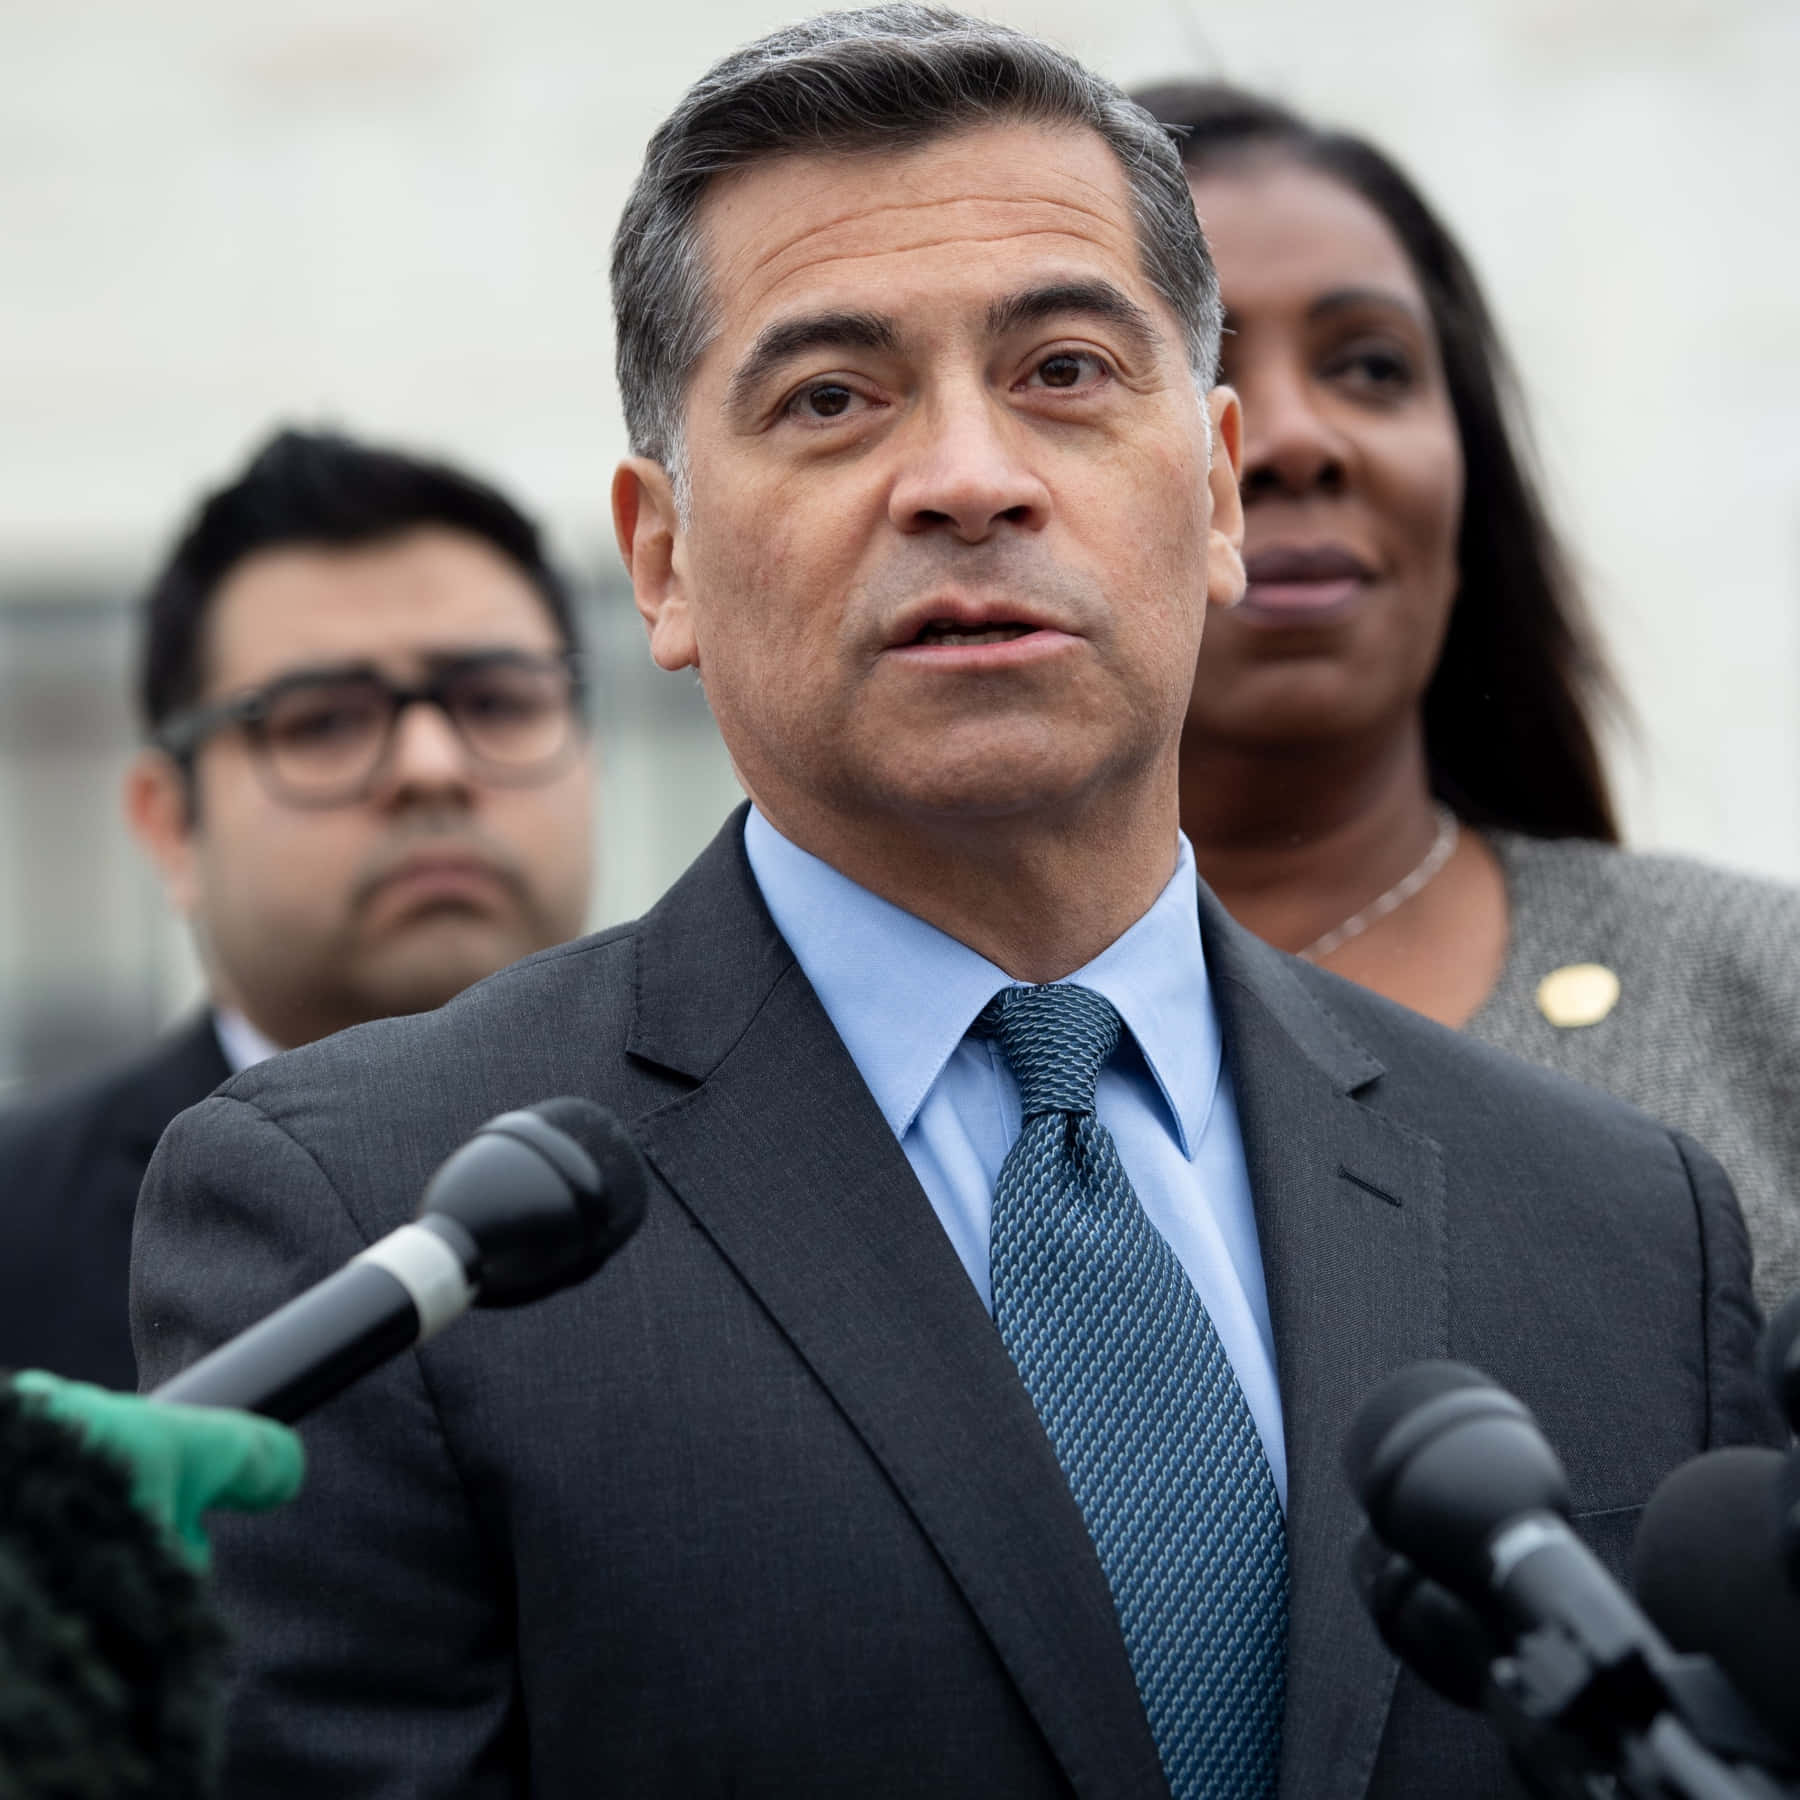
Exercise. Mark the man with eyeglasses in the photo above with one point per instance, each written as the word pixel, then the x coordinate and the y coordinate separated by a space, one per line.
pixel 366 786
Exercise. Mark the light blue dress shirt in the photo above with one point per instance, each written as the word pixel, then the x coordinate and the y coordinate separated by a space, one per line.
pixel 903 994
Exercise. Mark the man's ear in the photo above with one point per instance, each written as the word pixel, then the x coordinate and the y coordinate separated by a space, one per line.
pixel 653 545
pixel 1225 543
pixel 159 801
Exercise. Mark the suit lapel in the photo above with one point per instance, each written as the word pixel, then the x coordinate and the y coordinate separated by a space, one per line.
pixel 179 1072
pixel 1350 1216
pixel 782 1157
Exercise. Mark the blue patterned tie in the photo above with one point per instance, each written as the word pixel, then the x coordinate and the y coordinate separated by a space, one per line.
pixel 1142 1408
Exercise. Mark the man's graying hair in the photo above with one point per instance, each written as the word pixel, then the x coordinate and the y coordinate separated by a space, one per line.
pixel 885 78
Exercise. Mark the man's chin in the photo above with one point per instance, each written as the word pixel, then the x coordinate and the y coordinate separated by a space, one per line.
pixel 435 958
pixel 988 790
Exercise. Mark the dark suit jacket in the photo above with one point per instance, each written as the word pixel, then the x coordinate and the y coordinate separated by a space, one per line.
pixel 71 1163
pixel 762 1509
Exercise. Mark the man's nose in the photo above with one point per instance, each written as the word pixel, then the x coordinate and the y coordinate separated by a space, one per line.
pixel 425 756
pixel 1291 444
pixel 967 472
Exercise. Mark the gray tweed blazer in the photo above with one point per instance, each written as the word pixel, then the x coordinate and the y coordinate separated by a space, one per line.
pixel 1705 1035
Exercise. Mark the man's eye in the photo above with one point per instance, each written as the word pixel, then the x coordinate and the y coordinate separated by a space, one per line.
pixel 316 723
pixel 1067 369
pixel 823 400
pixel 501 701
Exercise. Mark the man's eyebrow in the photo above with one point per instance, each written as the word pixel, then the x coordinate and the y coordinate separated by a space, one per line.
pixel 347 668
pixel 1096 299
pixel 788 338
pixel 432 656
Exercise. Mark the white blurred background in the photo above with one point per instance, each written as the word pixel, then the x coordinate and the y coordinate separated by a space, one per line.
pixel 394 216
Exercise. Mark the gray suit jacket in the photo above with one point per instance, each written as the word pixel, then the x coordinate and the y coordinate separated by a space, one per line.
pixel 762 1508
pixel 1706 1032
pixel 71 1163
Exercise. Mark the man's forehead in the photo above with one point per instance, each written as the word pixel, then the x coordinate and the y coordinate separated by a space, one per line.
pixel 996 197
pixel 398 602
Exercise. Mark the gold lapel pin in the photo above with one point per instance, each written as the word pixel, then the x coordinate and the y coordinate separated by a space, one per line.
pixel 1578 994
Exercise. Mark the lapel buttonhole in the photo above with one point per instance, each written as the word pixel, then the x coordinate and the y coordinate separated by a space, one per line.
pixel 1368 1187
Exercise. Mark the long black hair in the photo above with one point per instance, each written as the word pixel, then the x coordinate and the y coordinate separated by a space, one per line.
pixel 1511 710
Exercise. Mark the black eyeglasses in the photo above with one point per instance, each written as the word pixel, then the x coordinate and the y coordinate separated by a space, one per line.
pixel 321 738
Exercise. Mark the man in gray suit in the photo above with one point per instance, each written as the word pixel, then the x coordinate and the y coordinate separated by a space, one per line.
pixel 336 852
pixel 965 1418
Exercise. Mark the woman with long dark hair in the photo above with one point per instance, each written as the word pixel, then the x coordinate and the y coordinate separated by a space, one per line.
pixel 1391 762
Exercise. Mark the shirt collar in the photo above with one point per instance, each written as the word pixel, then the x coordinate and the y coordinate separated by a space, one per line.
pixel 242 1045
pixel 873 964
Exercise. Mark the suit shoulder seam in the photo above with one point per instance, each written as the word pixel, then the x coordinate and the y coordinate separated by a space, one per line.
pixel 1680 1143
pixel 619 937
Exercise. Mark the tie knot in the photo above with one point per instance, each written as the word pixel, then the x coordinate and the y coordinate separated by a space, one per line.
pixel 1056 1040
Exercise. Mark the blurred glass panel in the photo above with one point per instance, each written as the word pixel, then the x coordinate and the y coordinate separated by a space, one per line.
pixel 83 955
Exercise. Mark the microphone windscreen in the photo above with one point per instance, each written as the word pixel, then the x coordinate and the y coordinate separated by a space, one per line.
pixel 624 1179
pixel 1394 1399
pixel 544 1195
pixel 1709 1570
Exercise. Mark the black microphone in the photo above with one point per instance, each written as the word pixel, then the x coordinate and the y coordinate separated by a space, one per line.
pixel 1780 1358
pixel 1425 1625
pixel 535 1201
pixel 1457 1479
pixel 1455 1475
pixel 1708 1566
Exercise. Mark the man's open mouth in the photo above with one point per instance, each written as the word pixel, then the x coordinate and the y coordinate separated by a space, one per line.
pixel 947 631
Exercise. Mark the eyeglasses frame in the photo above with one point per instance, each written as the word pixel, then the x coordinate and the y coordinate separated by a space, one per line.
pixel 184 734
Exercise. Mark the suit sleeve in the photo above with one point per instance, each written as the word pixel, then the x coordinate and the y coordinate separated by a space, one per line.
pixel 1739 1409
pixel 372 1652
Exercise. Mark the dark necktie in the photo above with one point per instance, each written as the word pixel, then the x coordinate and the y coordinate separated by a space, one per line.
pixel 1142 1408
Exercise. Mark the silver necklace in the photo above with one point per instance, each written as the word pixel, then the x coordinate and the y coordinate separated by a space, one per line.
pixel 1402 891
